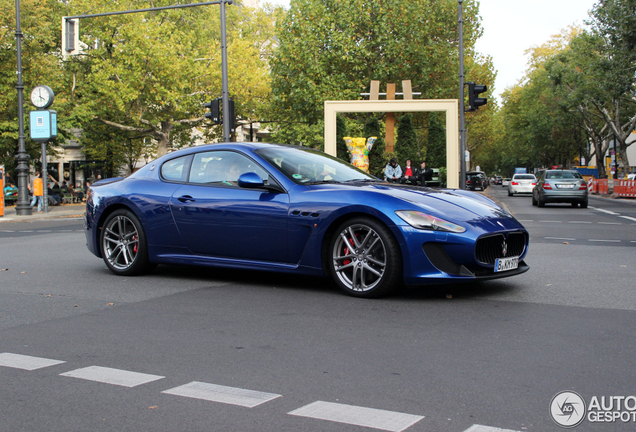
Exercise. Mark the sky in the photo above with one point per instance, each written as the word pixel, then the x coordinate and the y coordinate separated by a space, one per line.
pixel 513 26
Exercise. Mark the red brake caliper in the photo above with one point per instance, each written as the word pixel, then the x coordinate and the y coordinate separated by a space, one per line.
pixel 346 251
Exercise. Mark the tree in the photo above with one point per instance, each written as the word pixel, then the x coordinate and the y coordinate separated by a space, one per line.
pixel 149 74
pixel 332 49
pixel 406 143
pixel 436 144
pixel 40 27
pixel 614 25
pixel 377 158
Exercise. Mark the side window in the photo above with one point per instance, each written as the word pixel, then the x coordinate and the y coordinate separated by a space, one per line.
pixel 222 168
pixel 176 170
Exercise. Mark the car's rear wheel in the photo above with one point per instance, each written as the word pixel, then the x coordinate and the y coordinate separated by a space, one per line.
pixel 575 204
pixel 534 201
pixel 510 193
pixel 123 244
pixel 584 204
pixel 540 202
pixel 365 259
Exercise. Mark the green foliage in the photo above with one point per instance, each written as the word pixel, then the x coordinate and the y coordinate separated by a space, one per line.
pixel 436 146
pixel 332 49
pixel 40 25
pixel 377 158
pixel 406 142
pixel 580 89
pixel 341 132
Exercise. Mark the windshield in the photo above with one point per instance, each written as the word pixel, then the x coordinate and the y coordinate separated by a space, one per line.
pixel 305 166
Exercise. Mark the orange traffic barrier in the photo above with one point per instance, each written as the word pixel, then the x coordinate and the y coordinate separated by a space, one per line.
pixel 625 188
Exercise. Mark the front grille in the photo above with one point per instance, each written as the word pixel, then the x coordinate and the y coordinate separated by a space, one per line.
pixel 490 248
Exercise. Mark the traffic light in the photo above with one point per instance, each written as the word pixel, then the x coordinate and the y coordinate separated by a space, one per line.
pixel 230 115
pixel 215 112
pixel 474 90
pixel 70 37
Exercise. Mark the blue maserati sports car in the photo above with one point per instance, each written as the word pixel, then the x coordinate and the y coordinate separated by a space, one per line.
pixel 294 209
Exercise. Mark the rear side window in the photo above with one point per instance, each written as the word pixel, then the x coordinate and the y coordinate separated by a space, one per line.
pixel 176 170
pixel 524 177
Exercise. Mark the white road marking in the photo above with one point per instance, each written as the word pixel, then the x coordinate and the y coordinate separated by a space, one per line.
pixel 112 376
pixel 548 221
pixel 19 361
pixel 358 416
pixel 610 223
pixel 580 222
pixel 222 394
pixel 629 218
pixel 605 211
pixel 480 428
pixel 559 238
pixel 607 241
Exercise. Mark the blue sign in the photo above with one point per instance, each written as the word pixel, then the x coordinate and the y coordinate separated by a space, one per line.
pixel 53 124
pixel 43 125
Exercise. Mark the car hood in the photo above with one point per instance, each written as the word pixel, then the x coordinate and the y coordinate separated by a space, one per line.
pixel 454 204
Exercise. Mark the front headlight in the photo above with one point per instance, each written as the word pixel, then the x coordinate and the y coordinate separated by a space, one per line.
pixel 425 221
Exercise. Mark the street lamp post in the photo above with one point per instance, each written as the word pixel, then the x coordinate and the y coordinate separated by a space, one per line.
pixel 23 207
pixel 225 95
pixel 462 114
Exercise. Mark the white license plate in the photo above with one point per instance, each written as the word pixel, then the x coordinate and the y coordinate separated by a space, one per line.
pixel 565 186
pixel 504 264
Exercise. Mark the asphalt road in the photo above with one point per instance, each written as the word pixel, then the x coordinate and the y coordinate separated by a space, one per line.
pixel 478 357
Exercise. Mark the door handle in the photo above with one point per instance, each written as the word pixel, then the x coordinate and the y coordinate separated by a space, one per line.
pixel 186 198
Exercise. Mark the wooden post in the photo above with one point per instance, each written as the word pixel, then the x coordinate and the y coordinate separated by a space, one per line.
pixel 390 120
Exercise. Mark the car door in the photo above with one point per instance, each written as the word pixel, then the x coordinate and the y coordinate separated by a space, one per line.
pixel 216 217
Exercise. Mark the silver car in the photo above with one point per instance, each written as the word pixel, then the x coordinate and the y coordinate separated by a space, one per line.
pixel 521 183
pixel 560 186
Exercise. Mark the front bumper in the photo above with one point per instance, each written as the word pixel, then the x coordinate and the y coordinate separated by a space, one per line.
pixel 437 257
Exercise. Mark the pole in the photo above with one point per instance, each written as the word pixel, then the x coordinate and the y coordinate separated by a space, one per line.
pixel 462 114
pixel 45 181
pixel 23 207
pixel 225 97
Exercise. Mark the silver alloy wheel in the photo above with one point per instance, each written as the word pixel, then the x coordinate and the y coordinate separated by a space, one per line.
pixel 359 257
pixel 120 242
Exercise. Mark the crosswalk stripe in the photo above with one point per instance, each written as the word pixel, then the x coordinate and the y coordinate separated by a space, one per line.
pixel 19 361
pixel 222 394
pixel 112 376
pixel 358 416
pixel 480 428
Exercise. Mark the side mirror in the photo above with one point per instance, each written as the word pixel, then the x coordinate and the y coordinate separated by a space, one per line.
pixel 250 180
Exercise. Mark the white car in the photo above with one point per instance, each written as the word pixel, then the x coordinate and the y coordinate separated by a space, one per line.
pixel 505 182
pixel 521 183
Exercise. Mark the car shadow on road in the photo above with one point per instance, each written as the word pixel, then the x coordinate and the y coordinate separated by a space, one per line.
pixel 314 284
pixel 247 277
pixel 466 290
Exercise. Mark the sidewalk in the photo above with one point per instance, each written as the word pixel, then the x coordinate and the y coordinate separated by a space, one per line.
pixel 61 211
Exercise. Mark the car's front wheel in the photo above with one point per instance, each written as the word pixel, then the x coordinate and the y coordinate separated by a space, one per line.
pixel 365 259
pixel 123 244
